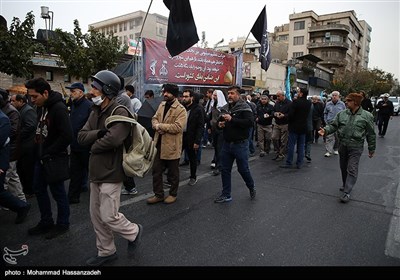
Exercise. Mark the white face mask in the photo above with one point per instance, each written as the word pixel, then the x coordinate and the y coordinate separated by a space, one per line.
pixel 97 100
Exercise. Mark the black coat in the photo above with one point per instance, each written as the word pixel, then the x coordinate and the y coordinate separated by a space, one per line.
pixel 298 114
pixel 56 126
pixel 195 125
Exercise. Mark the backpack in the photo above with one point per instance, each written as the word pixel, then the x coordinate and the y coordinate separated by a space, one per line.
pixel 139 157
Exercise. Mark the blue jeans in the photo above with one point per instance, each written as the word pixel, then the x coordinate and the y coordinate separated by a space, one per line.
pixel 294 139
pixel 59 194
pixel 230 152
pixel 251 144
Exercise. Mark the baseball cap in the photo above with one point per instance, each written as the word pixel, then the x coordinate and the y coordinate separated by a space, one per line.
pixel 77 85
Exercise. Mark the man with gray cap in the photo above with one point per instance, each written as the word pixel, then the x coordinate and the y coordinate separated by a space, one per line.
pixel 105 169
pixel 386 109
pixel 168 122
pixel 79 156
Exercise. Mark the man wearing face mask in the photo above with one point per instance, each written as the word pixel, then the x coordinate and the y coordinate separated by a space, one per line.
pixel 79 156
pixel 106 174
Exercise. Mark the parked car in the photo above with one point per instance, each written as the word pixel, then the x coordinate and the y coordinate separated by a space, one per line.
pixel 395 101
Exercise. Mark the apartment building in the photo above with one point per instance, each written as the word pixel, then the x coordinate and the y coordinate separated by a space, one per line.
pixel 127 27
pixel 339 39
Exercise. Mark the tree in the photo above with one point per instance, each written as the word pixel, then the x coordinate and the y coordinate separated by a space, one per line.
pixel 373 82
pixel 17 47
pixel 85 54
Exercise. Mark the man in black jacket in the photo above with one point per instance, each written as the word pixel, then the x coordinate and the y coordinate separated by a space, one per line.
pixel 53 135
pixel 386 109
pixel 297 126
pixel 236 119
pixel 193 131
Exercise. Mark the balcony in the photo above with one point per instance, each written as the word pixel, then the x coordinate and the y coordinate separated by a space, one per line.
pixel 330 62
pixel 318 45
pixel 329 27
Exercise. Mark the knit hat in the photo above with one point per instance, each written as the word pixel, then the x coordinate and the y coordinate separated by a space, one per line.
pixel 356 97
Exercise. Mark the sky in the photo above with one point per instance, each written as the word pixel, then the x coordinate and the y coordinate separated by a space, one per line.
pixel 228 19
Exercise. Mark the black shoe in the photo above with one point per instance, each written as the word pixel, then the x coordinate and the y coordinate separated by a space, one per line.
pixel 285 166
pixel 99 261
pixel 74 200
pixel 133 245
pixel 21 215
pixel 215 172
pixel 345 198
pixel 40 229
pixel 308 159
pixel 57 231
pixel 341 189
pixel 253 193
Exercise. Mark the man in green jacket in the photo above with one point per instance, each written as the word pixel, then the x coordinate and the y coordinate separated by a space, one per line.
pixel 353 126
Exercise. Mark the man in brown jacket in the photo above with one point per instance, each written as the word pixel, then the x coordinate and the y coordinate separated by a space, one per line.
pixel 168 122
pixel 105 170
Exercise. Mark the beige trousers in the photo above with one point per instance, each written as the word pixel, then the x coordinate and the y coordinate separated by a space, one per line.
pixel 104 206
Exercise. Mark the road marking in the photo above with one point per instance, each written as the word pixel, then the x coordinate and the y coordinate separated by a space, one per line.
pixel 393 238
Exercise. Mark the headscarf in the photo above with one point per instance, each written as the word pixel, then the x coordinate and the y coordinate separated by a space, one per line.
pixel 221 100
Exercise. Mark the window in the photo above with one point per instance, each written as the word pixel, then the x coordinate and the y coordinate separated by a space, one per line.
pixel 116 28
pixel 126 40
pixel 297 54
pixel 67 78
pixel 130 36
pixel 161 31
pixel 125 26
pixel 299 25
pixel 131 24
pixel 299 40
pixel 120 27
pixel 49 75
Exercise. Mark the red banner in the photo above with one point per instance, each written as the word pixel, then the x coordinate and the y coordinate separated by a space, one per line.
pixel 195 66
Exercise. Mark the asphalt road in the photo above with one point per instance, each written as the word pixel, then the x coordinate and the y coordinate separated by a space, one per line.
pixel 295 220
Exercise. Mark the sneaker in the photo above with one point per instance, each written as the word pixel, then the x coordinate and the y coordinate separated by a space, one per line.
pixel 56 231
pixel 308 159
pixel 40 229
pixel 280 158
pixel 212 165
pixel 99 261
pixel 222 199
pixel 345 198
pixel 131 192
pixel 335 152
pixel 253 193
pixel 327 154
pixel 192 182
pixel 21 215
pixel 133 245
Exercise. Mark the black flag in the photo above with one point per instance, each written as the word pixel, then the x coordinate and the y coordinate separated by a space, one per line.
pixel 259 31
pixel 182 32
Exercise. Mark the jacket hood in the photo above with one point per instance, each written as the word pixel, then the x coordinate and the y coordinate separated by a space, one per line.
pixel 54 97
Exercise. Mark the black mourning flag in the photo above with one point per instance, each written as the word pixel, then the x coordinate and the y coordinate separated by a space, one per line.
pixel 259 30
pixel 182 32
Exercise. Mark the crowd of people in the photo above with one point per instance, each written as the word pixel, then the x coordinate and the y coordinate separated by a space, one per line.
pixel 43 123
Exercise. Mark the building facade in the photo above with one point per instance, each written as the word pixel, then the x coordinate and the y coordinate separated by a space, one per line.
pixel 127 27
pixel 339 39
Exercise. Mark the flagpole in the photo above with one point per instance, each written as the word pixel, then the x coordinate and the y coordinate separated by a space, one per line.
pixel 246 40
pixel 141 30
